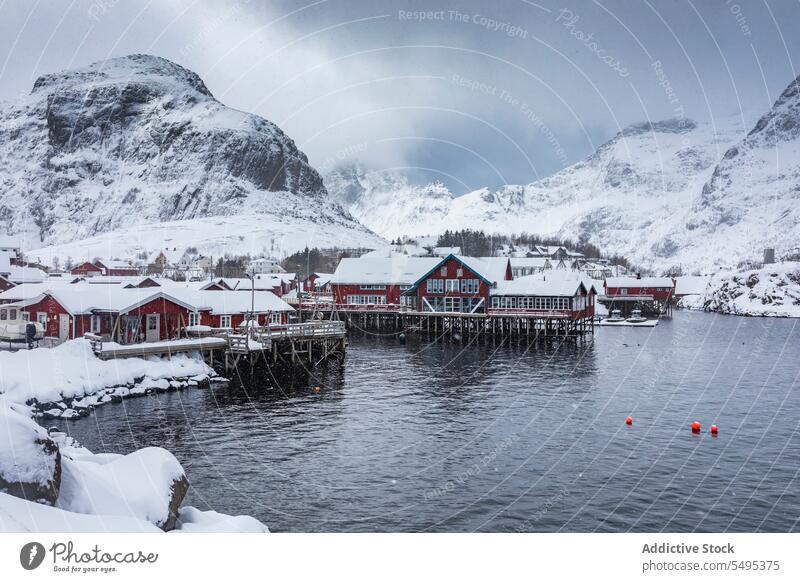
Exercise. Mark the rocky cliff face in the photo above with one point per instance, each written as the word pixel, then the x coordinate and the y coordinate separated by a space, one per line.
pixel 752 198
pixel 140 140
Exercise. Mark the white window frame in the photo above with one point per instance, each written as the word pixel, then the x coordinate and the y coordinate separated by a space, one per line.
pixel 41 317
pixel 435 286
pixel 451 285
pixel 225 321
pixel 94 323
pixel 194 318
pixel 275 317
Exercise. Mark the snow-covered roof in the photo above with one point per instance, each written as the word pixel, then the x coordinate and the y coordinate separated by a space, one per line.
pixel 541 284
pixel 114 264
pixel 491 268
pixel 230 302
pixel 83 298
pixel 521 262
pixel 394 270
pixel 323 279
pixel 691 285
pixel 617 282
pixel 263 282
pixel 10 242
pixel 25 274
pixel 444 251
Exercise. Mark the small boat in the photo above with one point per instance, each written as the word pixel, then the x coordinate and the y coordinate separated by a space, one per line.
pixel 636 317
pixel 616 315
pixel 13 328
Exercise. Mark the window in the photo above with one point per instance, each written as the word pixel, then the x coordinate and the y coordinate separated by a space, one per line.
pixel 3 314
pixel 26 316
pixel 435 285
pixel 623 291
pixel 452 304
pixel 225 321
pixel 41 317
pixel 443 271
pixel 275 318
pixel 373 287
pixel 459 272
pixel 12 314
pixel 470 286
pixel 451 285
pixel 95 324
pixel 194 318
pixel 366 300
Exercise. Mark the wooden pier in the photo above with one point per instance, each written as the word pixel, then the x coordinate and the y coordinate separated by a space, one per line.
pixel 307 343
pixel 554 323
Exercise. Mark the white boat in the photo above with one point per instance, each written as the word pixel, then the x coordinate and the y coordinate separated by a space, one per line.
pixel 626 323
pixel 616 316
pixel 636 317
pixel 13 328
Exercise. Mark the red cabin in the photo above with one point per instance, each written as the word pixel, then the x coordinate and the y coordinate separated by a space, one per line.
pixel 658 289
pixel 459 284
pixel 377 282
pixel 87 269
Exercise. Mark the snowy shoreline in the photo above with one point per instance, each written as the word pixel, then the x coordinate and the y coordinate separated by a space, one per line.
pixel 50 483
pixel 772 291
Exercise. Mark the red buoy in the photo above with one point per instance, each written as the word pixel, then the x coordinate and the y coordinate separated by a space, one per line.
pixel 317 389
pixel 714 429
pixel 695 426
pixel 629 421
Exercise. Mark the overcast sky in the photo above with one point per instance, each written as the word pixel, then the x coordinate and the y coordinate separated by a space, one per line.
pixel 474 93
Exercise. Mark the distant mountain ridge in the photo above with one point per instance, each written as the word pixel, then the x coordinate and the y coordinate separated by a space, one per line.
pixel 137 141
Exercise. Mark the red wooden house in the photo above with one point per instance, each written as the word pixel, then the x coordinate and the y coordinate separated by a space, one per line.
pixel 377 282
pixel 548 294
pixel 87 269
pixel 659 289
pixel 457 284
pixel 111 268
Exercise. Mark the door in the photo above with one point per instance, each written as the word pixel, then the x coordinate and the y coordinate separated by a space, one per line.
pixel 153 327
pixel 63 327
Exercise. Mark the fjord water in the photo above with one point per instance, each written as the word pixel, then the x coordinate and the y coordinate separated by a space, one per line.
pixel 499 436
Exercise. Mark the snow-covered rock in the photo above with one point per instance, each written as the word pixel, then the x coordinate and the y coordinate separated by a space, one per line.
pixel 72 370
pixel 192 520
pixel 139 140
pixel 18 515
pixel 30 462
pixel 773 291
pixel 148 484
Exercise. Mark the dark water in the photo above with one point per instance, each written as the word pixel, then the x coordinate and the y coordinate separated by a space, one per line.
pixel 497 437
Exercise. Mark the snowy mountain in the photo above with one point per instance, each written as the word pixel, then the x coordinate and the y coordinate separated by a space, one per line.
pixel 671 193
pixel 133 142
pixel 626 197
pixel 752 199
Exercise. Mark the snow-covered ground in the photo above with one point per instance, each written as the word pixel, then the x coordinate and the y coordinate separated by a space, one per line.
pixel 213 236
pixel 772 291
pixel 49 483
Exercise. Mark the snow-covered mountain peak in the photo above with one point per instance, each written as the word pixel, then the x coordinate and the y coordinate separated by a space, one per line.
pixel 140 140
pixel 132 69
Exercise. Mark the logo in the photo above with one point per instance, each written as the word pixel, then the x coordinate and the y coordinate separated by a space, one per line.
pixel 31 555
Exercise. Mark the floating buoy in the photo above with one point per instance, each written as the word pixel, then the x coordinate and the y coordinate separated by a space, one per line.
pixel 695 426
pixel 317 389
pixel 629 421
pixel 714 429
